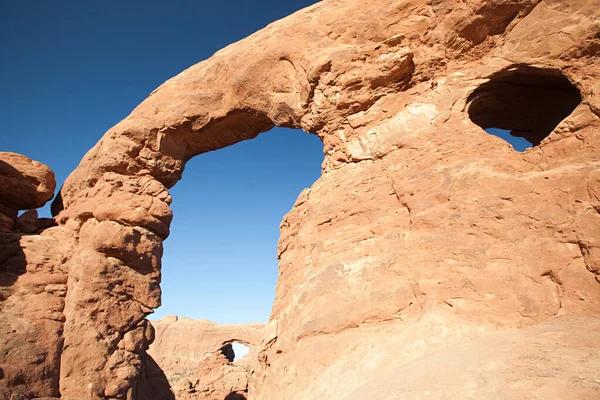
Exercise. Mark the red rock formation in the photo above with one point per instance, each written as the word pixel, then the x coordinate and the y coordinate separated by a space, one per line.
pixel 32 282
pixel 197 358
pixel 24 184
pixel 423 231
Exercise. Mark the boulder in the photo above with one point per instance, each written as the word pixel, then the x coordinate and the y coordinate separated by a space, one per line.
pixel 24 183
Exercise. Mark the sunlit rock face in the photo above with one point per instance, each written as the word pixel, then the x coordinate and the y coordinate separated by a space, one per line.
pixel 424 238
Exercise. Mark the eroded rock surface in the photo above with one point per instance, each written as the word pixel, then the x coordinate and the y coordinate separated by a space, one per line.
pixel 197 358
pixel 32 281
pixel 555 359
pixel 24 184
pixel 423 233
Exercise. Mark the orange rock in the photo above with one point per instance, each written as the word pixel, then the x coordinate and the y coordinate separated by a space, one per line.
pixel 423 232
pixel 197 358
pixel 32 282
pixel 24 183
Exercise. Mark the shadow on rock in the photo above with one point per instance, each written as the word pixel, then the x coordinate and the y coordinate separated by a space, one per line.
pixel 12 262
pixel 153 383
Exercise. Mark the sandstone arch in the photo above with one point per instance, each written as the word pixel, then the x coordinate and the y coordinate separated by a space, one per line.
pixel 135 163
pixel 421 232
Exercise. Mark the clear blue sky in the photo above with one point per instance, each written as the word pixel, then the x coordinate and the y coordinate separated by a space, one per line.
pixel 72 69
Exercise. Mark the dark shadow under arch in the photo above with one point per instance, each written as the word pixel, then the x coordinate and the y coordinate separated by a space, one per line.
pixel 153 383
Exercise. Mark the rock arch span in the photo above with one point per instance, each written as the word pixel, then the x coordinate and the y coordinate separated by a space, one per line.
pixel 119 198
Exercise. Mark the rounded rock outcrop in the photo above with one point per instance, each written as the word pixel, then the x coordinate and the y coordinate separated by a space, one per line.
pixel 24 183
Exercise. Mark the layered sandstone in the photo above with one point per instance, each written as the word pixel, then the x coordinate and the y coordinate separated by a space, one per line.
pixel 425 237
pixel 197 358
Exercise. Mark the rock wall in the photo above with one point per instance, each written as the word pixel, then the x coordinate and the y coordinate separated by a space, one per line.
pixel 424 232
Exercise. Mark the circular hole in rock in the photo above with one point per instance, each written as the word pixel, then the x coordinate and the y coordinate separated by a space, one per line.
pixel 523 102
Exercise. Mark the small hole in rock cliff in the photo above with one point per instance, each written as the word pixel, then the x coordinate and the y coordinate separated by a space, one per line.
pixel 220 260
pixel 523 101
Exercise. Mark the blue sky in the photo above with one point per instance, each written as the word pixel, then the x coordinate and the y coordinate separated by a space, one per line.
pixel 70 70
pixel 518 143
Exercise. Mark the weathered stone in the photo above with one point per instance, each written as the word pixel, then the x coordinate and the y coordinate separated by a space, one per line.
pixel 196 357
pixel 30 315
pixel 425 237
pixel 509 365
pixel 24 183
pixel 28 222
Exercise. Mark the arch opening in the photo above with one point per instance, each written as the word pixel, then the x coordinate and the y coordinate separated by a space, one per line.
pixel 526 102
pixel 240 350
pixel 220 263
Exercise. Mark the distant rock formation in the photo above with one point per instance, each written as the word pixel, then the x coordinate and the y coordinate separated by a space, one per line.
pixel 425 239
pixel 196 358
